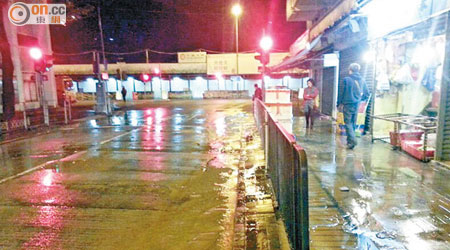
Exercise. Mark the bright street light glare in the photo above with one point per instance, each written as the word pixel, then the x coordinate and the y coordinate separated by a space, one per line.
pixel 36 53
pixel 236 10
pixel 266 43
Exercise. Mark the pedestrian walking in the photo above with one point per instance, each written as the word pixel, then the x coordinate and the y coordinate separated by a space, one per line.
pixel 258 93
pixel 309 102
pixel 124 94
pixel 352 91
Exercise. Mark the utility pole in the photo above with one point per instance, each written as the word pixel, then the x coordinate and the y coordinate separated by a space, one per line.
pixel 44 99
pixel 102 105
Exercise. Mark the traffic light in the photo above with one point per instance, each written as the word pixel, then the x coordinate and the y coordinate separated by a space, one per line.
pixel 68 84
pixel 42 63
pixel 145 77
pixel 105 76
pixel 266 43
pixel 263 57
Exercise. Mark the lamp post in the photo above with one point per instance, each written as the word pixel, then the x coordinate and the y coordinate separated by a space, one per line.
pixel 237 11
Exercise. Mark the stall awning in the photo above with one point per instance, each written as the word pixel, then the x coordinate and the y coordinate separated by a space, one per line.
pixel 291 61
pixel 342 9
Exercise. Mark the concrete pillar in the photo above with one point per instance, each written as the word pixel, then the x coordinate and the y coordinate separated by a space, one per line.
pixel 11 31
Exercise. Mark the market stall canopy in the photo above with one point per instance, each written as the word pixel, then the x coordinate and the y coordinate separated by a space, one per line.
pixel 292 61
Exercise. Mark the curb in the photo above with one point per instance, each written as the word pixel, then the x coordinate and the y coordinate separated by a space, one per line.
pixel 42 129
pixel 441 164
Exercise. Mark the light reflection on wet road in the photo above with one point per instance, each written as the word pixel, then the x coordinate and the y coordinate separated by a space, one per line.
pixel 157 177
pixel 393 202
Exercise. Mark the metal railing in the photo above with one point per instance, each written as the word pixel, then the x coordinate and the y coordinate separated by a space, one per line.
pixel 288 170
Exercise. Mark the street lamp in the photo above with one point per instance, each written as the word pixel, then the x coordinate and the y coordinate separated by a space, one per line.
pixel 237 11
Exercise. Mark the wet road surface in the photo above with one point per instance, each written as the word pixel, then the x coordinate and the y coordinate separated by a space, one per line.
pixel 158 177
pixel 372 197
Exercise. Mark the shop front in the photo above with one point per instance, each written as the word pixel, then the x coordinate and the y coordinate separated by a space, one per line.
pixel 407 90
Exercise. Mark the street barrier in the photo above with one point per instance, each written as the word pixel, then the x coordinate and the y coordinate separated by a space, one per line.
pixel 288 170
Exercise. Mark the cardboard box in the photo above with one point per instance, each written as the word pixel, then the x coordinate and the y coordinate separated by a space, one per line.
pixel 280 111
pixel 278 96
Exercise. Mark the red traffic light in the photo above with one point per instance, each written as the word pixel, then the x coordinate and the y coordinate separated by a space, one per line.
pixel 145 77
pixel 266 43
pixel 36 53
pixel 105 76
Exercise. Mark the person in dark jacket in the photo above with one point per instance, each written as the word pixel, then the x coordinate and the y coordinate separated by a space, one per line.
pixel 258 93
pixel 352 91
pixel 309 98
pixel 124 94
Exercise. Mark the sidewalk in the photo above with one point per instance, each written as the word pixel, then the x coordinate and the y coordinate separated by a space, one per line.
pixel 372 197
pixel 36 121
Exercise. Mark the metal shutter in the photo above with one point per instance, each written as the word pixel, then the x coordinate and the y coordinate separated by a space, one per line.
pixel 443 136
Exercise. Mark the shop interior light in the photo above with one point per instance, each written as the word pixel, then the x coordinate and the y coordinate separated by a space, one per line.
pixel 387 15
pixel 369 56
pixel 423 55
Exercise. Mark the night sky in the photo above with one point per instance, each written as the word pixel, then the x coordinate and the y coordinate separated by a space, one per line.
pixel 171 26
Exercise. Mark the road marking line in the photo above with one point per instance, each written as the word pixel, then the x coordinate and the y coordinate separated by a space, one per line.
pixel 118 136
pixel 192 117
pixel 67 158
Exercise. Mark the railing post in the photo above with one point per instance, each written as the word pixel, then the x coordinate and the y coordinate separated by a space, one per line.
pixel 25 119
pixel 304 201
pixel 70 109
pixel 65 112
pixel 266 138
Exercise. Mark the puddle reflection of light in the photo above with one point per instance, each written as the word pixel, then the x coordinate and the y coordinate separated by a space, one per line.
pixel 158 129
pixel 50 220
pixel 199 112
pixel 134 118
pixel 159 114
pixel 49 201
pixel 412 228
pixel 115 120
pixel 134 122
pixel 220 126
pixel 198 130
pixel 360 211
pixel 177 127
pixel 48 178
pixel 149 121
pixel 93 123
pixel 178 119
